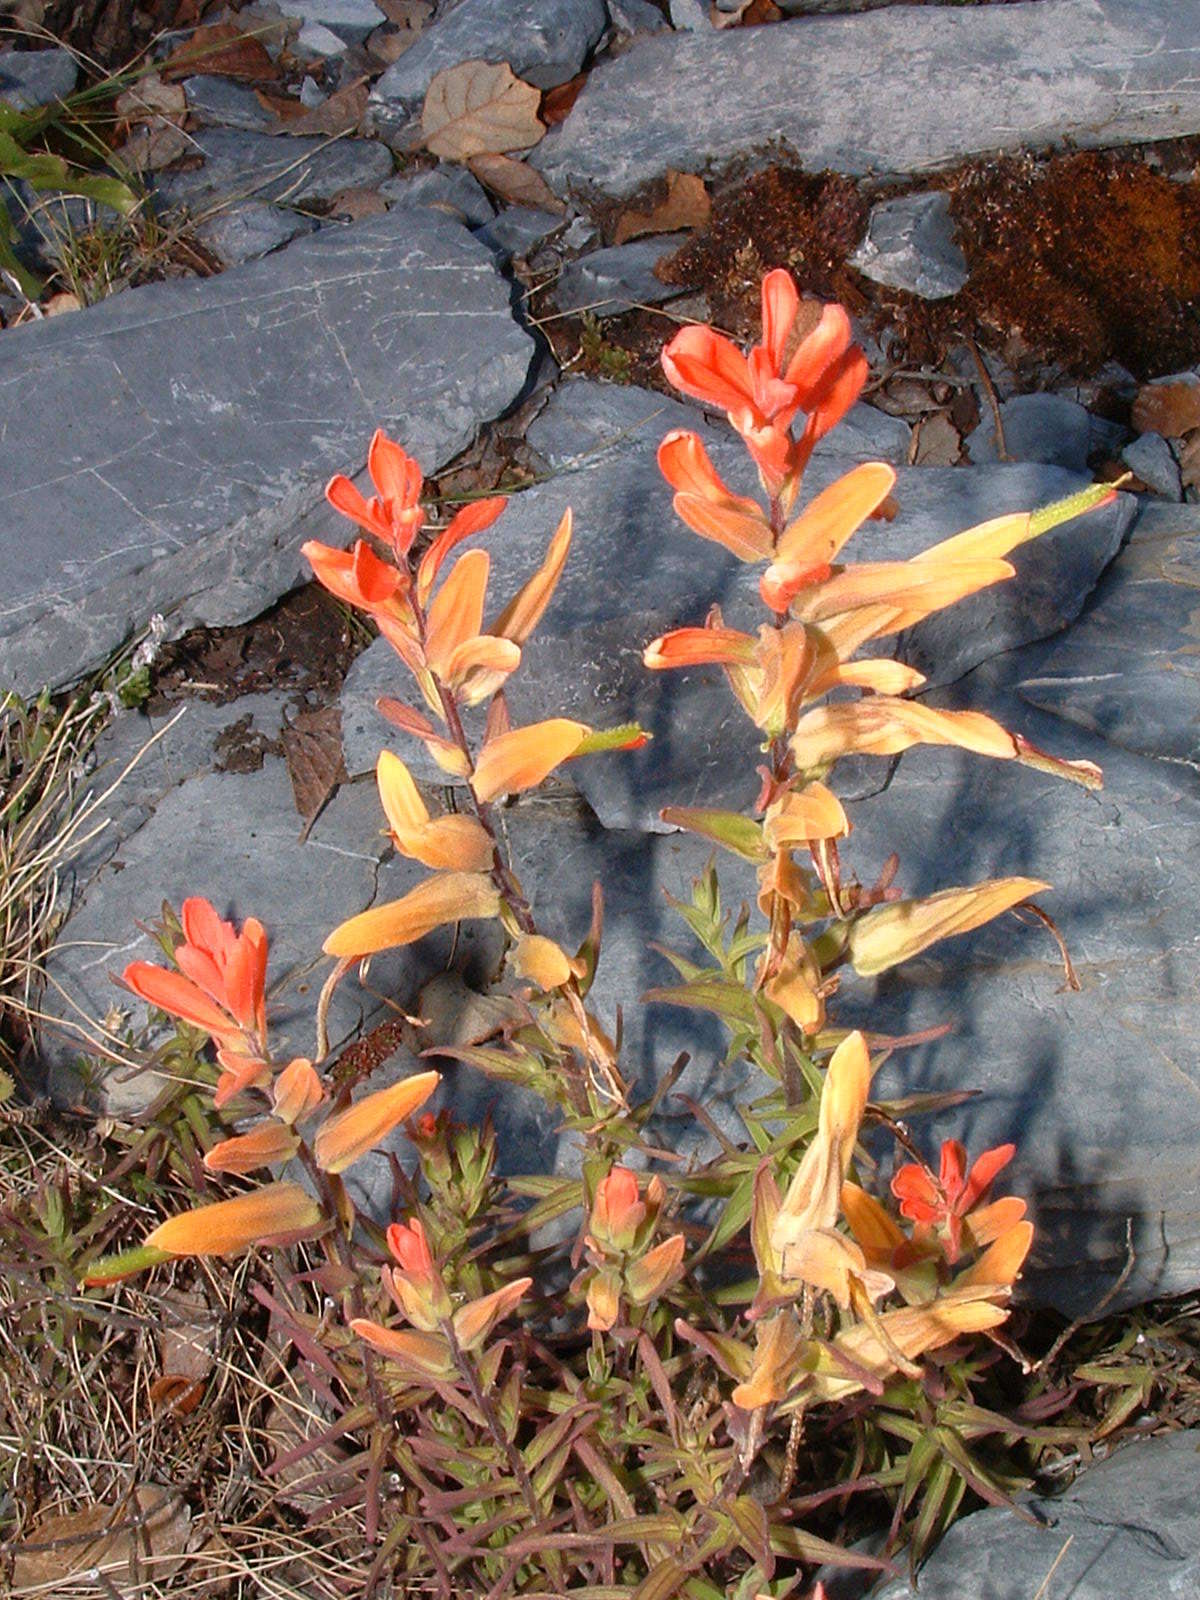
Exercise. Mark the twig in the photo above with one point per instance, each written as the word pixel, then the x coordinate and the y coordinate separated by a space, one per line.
pixel 993 399
pixel 1102 1305
pixel 1045 1583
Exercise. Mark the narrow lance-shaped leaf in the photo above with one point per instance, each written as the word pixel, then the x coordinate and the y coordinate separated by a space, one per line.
pixel 447 897
pixel 347 1135
pixel 268 1215
pixel 893 933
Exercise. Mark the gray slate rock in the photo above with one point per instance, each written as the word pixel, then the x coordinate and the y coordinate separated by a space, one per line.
pixel 446 188
pixel 316 42
pixel 635 16
pixel 350 20
pixel 588 419
pixel 1154 462
pixel 221 103
pixel 1060 72
pixel 516 230
pixel 1128 670
pixel 32 78
pixel 689 16
pixel 1037 427
pixel 1102 1144
pixel 635 571
pixel 608 282
pixel 1126 1526
pixel 276 167
pixel 911 244
pixel 188 488
pixel 244 232
pixel 545 42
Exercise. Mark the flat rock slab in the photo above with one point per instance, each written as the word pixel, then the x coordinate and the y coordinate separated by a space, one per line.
pixel 1100 1089
pixel 186 487
pixel 1126 1526
pixel 611 281
pixel 274 167
pixel 245 232
pixel 545 42
pixel 911 245
pixel 1025 76
pixel 635 571
pixel 1130 668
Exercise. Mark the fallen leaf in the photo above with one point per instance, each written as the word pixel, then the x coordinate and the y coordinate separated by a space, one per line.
pixel 285 107
pixel 479 107
pixel 937 441
pixel 352 205
pixel 412 14
pixel 59 304
pixel 760 11
pixel 150 98
pixel 187 1337
pixel 304 1478
pixel 514 181
pixel 456 1016
pixel 728 19
pixel 176 1395
pixel 1171 409
pixel 312 746
pixel 221 48
pixel 142 1537
pixel 388 44
pixel 153 146
pixel 557 102
pixel 341 113
pixel 687 206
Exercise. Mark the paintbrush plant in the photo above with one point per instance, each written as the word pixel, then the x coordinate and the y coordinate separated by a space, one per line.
pixel 623 1406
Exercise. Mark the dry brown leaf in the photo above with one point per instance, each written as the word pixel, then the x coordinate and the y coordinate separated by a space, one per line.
pixel 687 206
pixel 341 113
pixel 59 304
pixel 557 102
pixel 514 181
pixel 312 746
pixel 139 1539
pixel 188 1336
pixel 456 1016
pixel 149 98
pixel 407 13
pixel 153 146
pixel 1171 409
pixel 760 11
pixel 223 48
pixel 388 44
pixel 353 205
pixel 285 107
pixel 479 107
pixel 938 442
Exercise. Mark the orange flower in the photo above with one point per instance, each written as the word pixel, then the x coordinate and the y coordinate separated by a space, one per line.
pixel 274 1214
pixel 800 365
pixel 706 505
pixel 393 514
pixel 949 1201
pixel 346 1135
pixel 618 1210
pixel 415 1283
pixel 355 576
pixel 220 987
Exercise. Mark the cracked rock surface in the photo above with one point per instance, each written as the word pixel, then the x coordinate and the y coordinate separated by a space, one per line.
pixel 182 434
pixel 1083 72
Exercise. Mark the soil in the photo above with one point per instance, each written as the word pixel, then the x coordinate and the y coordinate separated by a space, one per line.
pixel 304 644
pixel 1076 260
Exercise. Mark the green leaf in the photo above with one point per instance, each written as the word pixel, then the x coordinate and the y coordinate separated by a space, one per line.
pixel 723 998
pixel 729 829
pixel 30 283
pixel 111 1269
pixel 627 735
pixel 1074 505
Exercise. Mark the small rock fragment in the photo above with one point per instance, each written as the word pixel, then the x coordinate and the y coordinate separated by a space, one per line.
pixel 350 20
pixel 32 78
pixel 609 282
pixel 249 230
pixel 636 16
pixel 1151 458
pixel 911 245
pixel 218 102
pixel 1037 427
pixel 516 231
pixel 447 188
